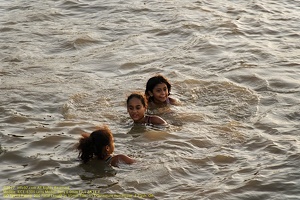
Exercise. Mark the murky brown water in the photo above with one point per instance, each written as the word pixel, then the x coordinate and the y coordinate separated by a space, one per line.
pixel 67 67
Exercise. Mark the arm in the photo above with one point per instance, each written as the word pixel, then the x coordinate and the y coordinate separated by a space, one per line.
pixel 117 159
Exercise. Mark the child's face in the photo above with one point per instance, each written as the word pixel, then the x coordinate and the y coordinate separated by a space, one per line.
pixel 136 109
pixel 160 93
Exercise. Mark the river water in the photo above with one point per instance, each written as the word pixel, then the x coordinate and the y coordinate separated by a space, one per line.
pixel 67 66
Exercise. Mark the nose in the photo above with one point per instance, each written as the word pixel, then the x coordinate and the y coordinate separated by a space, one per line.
pixel 134 110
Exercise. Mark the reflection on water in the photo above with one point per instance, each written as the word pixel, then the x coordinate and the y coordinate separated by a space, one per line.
pixel 96 169
pixel 137 129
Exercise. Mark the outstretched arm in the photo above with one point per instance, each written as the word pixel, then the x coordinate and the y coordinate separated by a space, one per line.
pixel 117 159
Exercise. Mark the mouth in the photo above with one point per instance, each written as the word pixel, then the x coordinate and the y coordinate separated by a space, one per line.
pixel 134 116
pixel 163 98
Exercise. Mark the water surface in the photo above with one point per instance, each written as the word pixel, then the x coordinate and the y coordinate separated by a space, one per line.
pixel 67 66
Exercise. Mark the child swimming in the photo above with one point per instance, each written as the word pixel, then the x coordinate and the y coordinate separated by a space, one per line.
pixel 137 106
pixel 100 145
pixel 157 92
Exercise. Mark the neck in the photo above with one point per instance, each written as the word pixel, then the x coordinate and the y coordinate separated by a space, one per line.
pixel 140 121
pixel 159 103
pixel 106 157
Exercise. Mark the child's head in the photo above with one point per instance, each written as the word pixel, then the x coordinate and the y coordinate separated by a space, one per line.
pixel 99 143
pixel 136 106
pixel 158 88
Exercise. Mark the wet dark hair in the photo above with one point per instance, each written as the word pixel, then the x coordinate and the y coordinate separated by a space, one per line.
pixel 139 96
pixel 94 144
pixel 153 81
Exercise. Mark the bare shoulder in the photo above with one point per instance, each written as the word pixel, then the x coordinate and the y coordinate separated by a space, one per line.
pixel 174 101
pixel 157 120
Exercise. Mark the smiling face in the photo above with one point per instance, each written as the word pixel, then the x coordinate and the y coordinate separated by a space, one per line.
pixel 160 93
pixel 136 109
pixel 154 84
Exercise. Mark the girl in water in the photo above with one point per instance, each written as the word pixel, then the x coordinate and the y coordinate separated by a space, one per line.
pixel 100 145
pixel 137 106
pixel 157 92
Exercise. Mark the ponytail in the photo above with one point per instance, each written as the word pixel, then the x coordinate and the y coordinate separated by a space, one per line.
pixel 86 148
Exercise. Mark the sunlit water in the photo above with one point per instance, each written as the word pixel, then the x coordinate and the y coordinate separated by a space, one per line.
pixel 68 66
